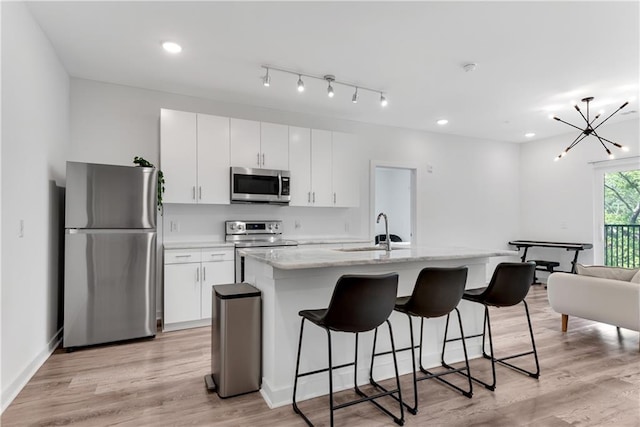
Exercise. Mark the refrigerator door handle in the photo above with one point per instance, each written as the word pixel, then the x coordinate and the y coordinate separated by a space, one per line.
pixel 197 274
pixel 204 273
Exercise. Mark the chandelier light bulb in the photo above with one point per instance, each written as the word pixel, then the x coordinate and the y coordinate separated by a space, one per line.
pixel 611 156
pixel 354 98
pixel 442 122
pixel 558 157
pixel 300 84
pixel 625 148
pixel 330 92
pixel 383 100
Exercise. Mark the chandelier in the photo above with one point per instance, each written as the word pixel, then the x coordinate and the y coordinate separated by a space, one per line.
pixel 590 129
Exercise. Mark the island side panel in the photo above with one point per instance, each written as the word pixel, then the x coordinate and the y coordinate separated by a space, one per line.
pixel 286 292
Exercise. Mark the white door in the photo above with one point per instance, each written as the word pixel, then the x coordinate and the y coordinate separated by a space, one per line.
pixel 213 159
pixel 346 170
pixel 321 193
pixel 274 145
pixel 300 165
pixel 245 143
pixel 181 292
pixel 214 273
pixel 178 155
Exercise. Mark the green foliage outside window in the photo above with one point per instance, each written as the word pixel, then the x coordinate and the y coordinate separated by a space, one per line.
pixel 621 218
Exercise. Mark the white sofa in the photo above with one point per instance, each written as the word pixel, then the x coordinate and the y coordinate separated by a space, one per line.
pixel 615 302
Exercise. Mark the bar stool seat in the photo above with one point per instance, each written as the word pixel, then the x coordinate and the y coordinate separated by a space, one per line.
pixel 509 286
pixel 436 293
pixel 359 303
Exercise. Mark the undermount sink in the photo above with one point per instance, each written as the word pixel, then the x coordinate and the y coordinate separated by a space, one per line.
pixel 364 248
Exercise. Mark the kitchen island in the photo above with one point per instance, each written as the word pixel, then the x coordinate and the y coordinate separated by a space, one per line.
pixel 295 279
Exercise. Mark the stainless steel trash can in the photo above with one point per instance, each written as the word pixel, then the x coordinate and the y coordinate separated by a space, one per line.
pixel 236 339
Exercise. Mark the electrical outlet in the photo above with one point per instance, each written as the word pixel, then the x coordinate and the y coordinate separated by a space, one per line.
pixel 297 224
pixel 174 226
pixel 563 225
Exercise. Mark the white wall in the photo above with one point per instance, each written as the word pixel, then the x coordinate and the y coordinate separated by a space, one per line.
pixel 35 135
pixel 470 198
pixel 557 198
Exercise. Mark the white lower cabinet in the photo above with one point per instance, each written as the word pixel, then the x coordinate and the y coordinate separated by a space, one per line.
pixel 189 275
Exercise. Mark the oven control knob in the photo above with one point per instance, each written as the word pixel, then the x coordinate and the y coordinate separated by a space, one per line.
pixel 232 227
pixel 270 227
pixel 277 226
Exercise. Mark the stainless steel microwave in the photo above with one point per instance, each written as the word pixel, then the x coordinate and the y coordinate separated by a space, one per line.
pixel 250 185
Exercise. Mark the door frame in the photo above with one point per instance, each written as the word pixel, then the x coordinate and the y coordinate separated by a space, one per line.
pixel 600 169
pixel 415 174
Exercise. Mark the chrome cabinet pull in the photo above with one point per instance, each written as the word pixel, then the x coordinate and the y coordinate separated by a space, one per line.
pixel 262 159
pixel 334 198
pixel 314 197
pixel 198 274
pixel 183 256
pixel 204 273
pixel 193 192
pixel 309 197
pixel 200 192
pixel 258 161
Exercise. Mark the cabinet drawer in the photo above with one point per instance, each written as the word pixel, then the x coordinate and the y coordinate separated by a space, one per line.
pixel 220 254
pixel 180 256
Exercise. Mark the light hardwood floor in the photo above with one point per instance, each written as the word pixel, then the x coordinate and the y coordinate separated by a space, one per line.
pixel 590 376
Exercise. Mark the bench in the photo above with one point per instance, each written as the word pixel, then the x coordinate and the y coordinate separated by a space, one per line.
pixel 542 265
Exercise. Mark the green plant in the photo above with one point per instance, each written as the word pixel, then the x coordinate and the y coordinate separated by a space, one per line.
pixel 140 161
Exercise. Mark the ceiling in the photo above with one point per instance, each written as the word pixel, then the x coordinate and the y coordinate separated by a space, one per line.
pixel 533 58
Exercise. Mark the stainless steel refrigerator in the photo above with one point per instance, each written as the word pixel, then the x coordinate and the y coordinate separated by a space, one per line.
pixel 110 253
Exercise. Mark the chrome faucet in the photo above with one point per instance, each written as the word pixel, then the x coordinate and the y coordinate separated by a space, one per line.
pixel 386 229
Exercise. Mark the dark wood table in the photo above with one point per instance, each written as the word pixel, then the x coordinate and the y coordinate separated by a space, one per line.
pixel 569 246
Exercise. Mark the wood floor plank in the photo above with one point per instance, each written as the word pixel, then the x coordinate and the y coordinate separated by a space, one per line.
pixel 590 376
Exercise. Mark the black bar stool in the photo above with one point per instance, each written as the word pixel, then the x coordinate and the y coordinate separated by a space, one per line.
pixel 509 286
pixel 359 303
pixel 436 293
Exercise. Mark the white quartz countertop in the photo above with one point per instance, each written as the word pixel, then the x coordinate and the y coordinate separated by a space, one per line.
pixel 197 245
pixel 301 258
pixel 331 240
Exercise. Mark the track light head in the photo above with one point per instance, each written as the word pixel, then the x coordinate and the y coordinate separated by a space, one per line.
pixel 383 100
pixel 330 78
pixel 266 80
pixel 300 84
pixel 354 98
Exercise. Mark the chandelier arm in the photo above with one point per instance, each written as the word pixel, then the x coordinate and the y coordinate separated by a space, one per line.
pixel 602 143
pixel 605 139
pixel 567 123
pixel 576 141
pixel 602 122
pixel 585 118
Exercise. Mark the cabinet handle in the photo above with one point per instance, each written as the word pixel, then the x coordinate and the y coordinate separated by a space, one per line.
pixel 262 159
pixel 183 256
pixel 200 192
pixel 204 273
pixel 334 198
pixel 314 197
pixel 258 159
pixel 309 197
pixel 193 192
pixel 198 274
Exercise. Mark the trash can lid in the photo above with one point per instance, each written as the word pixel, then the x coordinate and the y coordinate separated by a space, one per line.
pixel 236 290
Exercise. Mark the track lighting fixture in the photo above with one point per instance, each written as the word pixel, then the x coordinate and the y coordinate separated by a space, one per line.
pixel 331 82
pixel 590 129
pixel 329 78
pixel 266 80
pixel 383 100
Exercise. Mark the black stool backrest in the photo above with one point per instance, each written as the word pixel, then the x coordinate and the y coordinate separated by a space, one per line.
pixel 361 302
pixel 437 291
pixel 509 284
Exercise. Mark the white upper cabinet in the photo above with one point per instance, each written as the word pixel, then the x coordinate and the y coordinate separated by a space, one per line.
pixel 213 159
pixel 194 157
pixel 178 154
pixel 245 143
pixel 274 146
pixel 259 145
pixel 300 165
pixel 346 170
pixel 321 191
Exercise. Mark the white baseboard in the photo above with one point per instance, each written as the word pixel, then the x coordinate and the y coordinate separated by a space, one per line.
pixel 11 391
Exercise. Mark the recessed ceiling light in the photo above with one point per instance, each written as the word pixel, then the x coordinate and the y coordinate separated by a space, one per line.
pixel 172 47
pixel 442 122
pixel 529 135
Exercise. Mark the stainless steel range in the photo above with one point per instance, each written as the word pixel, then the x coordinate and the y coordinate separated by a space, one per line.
pixel 254 234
